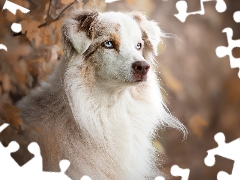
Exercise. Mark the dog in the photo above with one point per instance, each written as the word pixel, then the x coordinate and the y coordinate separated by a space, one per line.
pixel 102 105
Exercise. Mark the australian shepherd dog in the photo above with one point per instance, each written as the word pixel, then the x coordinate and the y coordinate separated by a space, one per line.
pixel 102 105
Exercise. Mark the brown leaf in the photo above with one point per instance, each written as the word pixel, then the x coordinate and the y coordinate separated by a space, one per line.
pixel 143 5
pixel 32 31
pixel 232 89
pixel 20 68
pixel 95 4
pixel 21 16
pixel 196 125
pixel 11 114
pixel 172 82
pixel 10 16
pixel 66 1
pixel 6 82
pixel 37 70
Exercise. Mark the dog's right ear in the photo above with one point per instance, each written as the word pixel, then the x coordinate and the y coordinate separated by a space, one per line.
pixel 78 31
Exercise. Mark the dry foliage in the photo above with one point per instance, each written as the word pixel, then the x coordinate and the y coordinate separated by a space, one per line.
pixel 32 54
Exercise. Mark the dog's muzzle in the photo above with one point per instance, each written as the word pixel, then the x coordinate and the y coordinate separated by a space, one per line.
pixel 140 70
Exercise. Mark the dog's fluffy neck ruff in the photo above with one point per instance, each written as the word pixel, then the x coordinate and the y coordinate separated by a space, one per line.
pixel 121 123
pixel 109 97
pixel 112 129
pixel 120 120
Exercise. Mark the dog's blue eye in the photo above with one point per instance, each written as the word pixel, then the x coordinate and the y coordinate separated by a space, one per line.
pixel 139 46
pixel 108 44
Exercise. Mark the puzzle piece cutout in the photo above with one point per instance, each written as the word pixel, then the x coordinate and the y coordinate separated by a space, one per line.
pixel 159 178
pixel 33 169
pixel 2 46
pixel 227 150
pixel 177 171
pixel 222 51
pixel 236 16
pixel 12 7
pixel 111 1
pixel 16 27
pixel 182 9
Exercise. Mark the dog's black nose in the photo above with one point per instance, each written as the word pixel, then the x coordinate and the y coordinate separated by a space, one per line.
pixel 141 67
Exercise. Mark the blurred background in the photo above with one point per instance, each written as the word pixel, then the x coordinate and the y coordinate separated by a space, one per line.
pixel 200 89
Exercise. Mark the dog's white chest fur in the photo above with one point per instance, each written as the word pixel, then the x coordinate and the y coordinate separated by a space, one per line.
pixel 102 104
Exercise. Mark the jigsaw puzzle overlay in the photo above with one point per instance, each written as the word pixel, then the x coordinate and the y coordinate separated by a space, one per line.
pixel 222 51
pixel 182 9
pixel 8 164
pixel 226 150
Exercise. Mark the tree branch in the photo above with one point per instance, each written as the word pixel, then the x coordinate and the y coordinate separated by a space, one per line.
pixel 49 19
pixel 49 7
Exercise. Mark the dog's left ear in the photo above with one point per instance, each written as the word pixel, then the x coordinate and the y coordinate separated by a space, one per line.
pixel 150 31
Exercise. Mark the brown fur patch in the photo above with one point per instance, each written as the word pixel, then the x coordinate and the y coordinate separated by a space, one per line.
pixel 88 73
pixel 116 40
pixel 66 43
pixel 103 28
pixel 92 48
pixel 147 43
pixel 87 20
pixel 138 16
pixel 111 37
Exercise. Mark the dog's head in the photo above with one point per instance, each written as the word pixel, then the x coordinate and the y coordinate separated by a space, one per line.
pixel 116 47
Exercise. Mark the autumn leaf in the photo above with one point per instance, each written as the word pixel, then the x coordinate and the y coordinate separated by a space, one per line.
pixel 20 69
pixel 36 69
pixel 143 5
pixel 6 83
pixel 66 1
pixel 196 125
pixel 95 4
pixel 172 82
pixel 32 31
pixel 11 114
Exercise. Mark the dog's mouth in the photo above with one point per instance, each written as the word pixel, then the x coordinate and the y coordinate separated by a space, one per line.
pixel 139 78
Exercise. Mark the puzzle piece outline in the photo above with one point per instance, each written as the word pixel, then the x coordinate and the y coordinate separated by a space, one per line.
pixel 16 27
pixel 228 151
pixel 220 174
pixel 177 172
pixel 33 169
pixel 222 51
pixel 182 6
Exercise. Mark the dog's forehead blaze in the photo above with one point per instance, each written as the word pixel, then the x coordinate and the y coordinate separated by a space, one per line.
pixel 108 31
pixel 106 27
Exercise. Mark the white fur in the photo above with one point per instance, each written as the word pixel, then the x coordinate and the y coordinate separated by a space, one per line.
pixel 92 113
